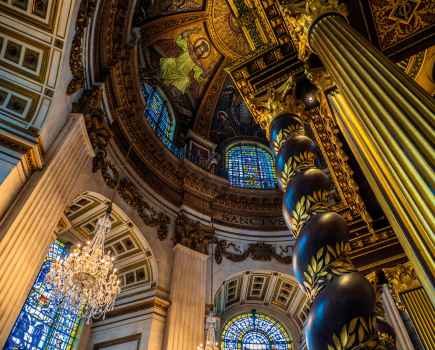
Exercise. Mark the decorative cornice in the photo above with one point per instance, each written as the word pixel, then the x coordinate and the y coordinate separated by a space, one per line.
pixel 86 11
pixel 256 251
pixel 99 135
pixel 192 234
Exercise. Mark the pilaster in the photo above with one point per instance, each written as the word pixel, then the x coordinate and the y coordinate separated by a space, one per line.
pixel 28 228
pixel 185 324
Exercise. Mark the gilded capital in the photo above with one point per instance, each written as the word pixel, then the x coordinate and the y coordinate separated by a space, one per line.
pixel 299 17
pixel 401 278
pixel 276 101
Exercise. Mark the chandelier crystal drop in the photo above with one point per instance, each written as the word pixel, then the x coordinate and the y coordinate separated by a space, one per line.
pixel 87 278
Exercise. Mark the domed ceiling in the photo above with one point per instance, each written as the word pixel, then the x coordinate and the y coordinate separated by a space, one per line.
pixel 198 54
pixel 186 46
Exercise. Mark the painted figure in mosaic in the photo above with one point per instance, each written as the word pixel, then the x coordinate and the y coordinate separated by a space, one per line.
pixel 177 71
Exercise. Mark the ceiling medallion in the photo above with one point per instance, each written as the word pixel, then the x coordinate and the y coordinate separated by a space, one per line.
pixel 87 278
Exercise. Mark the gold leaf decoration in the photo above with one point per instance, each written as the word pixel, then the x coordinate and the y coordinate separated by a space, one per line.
pixel 284 134
pixel 326 263
pixel 358 329
pixel 305 207
pixel 304 160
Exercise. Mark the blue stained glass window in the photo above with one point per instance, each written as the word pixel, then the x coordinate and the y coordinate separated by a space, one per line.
pixel 44 322
pixel 159 118
pixel 250 165
pixel 255 331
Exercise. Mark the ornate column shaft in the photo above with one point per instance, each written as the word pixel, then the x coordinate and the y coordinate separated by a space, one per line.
pixel 342 314
pixel 28 228
pixel 185 323
pixel 389 123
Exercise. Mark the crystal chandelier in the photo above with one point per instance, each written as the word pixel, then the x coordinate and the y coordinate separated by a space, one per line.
pixel 87 278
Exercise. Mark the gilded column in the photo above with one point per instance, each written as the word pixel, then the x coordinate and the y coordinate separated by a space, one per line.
pixel 185 323
pixel 28 228
pixel 387 119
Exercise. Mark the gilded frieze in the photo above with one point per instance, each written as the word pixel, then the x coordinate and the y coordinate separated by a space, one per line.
pixel 398 20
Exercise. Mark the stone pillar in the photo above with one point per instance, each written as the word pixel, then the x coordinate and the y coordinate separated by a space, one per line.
pixel 185 323
pixel 389 123
pixel 28 228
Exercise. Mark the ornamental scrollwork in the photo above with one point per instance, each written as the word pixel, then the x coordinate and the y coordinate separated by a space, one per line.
pixel 259 251
pixel 277 100
pixel 100 135
pixel 86 11
pixel 299 16
pixel 192 234
pixel 401 278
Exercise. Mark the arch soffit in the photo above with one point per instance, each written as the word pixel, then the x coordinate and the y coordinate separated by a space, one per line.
pixel 126 242
pixel 274 291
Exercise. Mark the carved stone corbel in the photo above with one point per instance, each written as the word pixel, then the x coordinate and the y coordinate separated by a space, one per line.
pixel 192 234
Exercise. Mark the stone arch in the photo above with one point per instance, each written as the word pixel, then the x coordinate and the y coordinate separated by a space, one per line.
pixel 134 257
pixel 271 292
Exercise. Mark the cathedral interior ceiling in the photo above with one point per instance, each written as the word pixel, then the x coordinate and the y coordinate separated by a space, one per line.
pixel 198 53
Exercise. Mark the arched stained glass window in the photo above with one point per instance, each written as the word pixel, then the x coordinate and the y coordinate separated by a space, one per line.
pixel 44 322
pixel 160 119
pixel 254 331
pixel 250 165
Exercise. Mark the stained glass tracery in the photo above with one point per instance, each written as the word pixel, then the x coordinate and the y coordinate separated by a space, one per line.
pixel 250 165
pixel 159 118
pixel 45 322
pixel 254 331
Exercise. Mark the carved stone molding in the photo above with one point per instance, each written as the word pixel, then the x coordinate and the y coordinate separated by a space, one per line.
pixel 99 135
pixel 192 234
pixel 86 11
pixel 256 251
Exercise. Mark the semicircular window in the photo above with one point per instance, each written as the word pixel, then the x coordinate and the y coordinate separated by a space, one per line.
pixel 250 165
pixel 160 118
pixel 254 331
